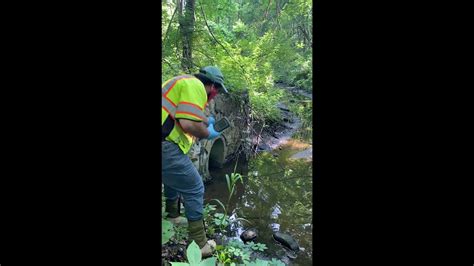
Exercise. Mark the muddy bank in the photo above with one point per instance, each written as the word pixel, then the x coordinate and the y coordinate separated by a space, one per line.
pixel 278 134
pixel 306 154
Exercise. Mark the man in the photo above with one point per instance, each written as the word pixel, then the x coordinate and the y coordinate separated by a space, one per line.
pixel 183 100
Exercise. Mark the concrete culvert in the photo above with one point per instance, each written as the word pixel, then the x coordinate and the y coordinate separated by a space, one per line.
pixel 217 154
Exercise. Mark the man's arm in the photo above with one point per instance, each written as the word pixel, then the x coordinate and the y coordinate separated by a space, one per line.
pixel 197 129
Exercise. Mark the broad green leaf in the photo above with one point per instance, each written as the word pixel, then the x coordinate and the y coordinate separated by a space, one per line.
pixel 194 254
pixel 261 262
pixel 208 262
pixel 180 263
pixel 166 231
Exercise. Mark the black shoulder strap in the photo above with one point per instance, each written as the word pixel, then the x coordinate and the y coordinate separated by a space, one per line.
pixel 167 127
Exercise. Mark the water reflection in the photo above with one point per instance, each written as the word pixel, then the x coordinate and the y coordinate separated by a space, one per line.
pixel 276 196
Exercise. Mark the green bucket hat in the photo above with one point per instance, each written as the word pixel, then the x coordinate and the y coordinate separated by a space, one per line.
pixel 215 75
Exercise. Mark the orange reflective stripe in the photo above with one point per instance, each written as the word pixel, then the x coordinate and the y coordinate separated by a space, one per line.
pixel 170 84
pixel 189 109
pixel 168 106
pixel 191 114
pixel 168 99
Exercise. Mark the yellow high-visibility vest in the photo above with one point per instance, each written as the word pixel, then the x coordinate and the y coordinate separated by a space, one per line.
pixel 182 97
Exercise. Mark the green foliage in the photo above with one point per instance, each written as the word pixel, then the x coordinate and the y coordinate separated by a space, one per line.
pixel 257 246
pixel 231 182
pixel 221 220
pixel 253 43
pixel 264 105
pixel 273 262
pixel 302 107
pixel 239 253
pixel 209 218
pixel 193 253
pixel 232 254
pixel 167 228
pixel 180 233
pixel 167 231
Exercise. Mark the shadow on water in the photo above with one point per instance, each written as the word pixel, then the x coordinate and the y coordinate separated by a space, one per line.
pixel 276 196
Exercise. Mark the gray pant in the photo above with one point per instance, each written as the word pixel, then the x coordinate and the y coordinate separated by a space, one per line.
pixel 180 176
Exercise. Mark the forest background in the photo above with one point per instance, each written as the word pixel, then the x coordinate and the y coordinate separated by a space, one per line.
pixel 256 44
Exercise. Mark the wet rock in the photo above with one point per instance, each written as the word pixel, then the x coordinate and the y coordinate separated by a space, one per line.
pixel 264 147
pixel 283 107
pixel 275 227
pixel 291 254
pixel 249 235
pixel 286 240
pixel 306 154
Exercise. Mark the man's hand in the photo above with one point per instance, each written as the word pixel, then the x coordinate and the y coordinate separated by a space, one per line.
pixel 211 120
pixel 212 133
pixel 198 129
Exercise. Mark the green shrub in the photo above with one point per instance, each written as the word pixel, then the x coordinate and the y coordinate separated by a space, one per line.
pixel 193 253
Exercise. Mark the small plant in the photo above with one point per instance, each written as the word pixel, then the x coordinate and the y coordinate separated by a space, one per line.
pixel 223 256
pixel 221 220
pixel 244 250
pixel 209 219
pixel 193 253
pixel 207 210
pixel 167 231
pixel 228 255
pixel 231 182
pixel 276 262
pixel 256 246
pixel 180 233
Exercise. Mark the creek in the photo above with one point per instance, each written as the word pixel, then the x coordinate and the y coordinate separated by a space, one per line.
pixel 276 194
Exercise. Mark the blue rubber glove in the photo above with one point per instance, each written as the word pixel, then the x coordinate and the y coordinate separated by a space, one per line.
pixel 211 120
pixel 212 133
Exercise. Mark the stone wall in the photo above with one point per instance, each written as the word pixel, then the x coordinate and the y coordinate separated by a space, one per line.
pixel 217 152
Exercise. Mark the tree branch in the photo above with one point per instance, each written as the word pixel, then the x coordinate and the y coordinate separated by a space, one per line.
pixel 305 34
pixel 268 7
pixel 214 37
pixel 169 25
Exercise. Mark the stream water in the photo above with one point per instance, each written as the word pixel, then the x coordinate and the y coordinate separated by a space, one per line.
pixel 276 195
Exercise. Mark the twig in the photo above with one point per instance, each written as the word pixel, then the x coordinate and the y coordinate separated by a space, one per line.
pixel 266 12
pixel 169 25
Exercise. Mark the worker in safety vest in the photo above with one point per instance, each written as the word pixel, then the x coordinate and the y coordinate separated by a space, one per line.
pixel 183 100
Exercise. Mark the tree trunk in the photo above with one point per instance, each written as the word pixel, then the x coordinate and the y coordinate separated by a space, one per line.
pixel 187 28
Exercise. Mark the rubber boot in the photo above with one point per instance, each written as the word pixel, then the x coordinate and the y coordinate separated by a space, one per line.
pixel 172 208
pixel 197 233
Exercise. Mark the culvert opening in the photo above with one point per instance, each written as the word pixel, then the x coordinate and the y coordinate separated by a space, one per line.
pixel 216 156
